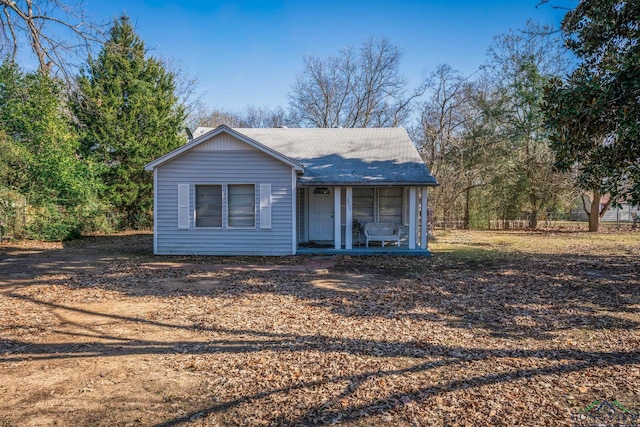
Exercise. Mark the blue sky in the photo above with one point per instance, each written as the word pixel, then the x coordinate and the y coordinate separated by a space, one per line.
pixel 249 52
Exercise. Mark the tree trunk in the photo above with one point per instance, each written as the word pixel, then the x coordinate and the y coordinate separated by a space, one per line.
pixel 465 224
pixel 594 213
pixel 533 219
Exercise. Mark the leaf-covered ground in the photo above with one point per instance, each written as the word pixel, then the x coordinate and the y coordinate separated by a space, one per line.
pixel 494 329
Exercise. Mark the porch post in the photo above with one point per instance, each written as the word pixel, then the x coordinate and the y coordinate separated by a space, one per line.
pixel 348 229
pixel 424 214
pixel 337 238
pixel 413 207
pixel 294 211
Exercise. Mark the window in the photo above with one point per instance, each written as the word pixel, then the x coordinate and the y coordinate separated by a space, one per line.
pixel 265 206
pixel 363 205
pixel 242 205
pixel 390 204
pixel 223 206
pixel 208 205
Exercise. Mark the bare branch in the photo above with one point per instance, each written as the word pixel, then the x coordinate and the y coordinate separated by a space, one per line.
pixel 363 89
pixel 552 6
pixel 13 39
pixel 56 32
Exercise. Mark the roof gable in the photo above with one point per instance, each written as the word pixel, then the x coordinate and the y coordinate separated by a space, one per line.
pixel 214 140
pixel 223 142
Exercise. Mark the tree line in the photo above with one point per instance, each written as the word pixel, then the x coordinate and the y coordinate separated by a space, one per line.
pixel 548 118
pixel 73 148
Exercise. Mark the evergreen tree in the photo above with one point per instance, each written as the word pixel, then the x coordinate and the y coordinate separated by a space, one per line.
pixel 593 113
pixel 129 114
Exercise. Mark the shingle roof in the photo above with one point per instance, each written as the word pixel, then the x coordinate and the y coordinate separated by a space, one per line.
pixel 356 156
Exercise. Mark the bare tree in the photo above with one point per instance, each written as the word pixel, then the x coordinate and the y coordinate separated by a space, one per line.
pixel 442 117
pixel 265 117
pixel 363 89
pixel 214 118
pixel 321 91
pixel 250 117
pixel 448 139
pixel 520 65
pixel 186 85
pixel 54 30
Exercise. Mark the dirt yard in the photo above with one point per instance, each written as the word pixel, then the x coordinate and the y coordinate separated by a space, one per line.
pixel 495 329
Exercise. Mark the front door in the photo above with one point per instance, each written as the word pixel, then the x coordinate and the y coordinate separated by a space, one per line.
pixel 321 214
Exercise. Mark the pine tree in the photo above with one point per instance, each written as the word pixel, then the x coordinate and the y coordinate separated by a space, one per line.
pixel 129 114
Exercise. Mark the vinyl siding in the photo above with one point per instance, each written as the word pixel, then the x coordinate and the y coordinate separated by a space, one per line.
pixel 622 214
pixel 224 166
pixel 301 216
pixel 224 142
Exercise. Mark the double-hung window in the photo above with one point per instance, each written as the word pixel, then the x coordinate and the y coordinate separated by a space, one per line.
pixel 241 200
pixel 224 206
pixel 390 204
pixel 363 204
pixel 209 206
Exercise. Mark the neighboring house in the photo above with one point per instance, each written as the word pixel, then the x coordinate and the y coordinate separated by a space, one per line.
pixel 626 212
pixel 281 191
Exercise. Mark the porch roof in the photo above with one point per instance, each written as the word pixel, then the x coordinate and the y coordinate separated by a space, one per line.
pixel 350 156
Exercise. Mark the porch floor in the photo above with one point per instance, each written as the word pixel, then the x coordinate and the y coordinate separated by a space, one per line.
pixel 364 251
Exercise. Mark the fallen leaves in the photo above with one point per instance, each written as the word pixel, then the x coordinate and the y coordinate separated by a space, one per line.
pixel 375 341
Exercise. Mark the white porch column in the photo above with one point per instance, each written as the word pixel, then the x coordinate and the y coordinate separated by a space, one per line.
pixel 294 211
pixel 348 229
pixel 423 219
pixel 337 238
pixel 413 207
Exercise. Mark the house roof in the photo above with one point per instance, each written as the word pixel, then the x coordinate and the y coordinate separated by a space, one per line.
pixel 355 156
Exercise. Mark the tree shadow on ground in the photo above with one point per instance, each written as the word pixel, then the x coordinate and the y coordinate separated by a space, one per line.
pixel 534 297
pixel 425 357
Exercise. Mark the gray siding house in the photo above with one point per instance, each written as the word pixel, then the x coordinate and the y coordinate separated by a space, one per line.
pixel 626 212
pixel 281 191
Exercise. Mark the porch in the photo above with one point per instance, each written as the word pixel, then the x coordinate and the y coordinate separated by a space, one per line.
pixel 330 220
